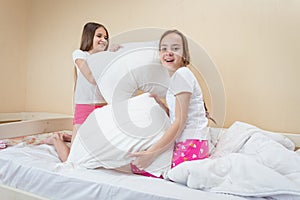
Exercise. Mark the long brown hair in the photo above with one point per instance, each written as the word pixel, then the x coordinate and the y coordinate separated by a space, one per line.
pixel 87 38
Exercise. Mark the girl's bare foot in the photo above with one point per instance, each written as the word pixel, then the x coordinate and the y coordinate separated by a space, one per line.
pixel 66 137
pixel 50 140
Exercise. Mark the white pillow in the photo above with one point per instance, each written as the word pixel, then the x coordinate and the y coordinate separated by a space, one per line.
pixel 112 132
pixel 136 66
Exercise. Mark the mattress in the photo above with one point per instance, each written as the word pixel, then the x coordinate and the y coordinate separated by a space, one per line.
pixel 37 169
pixel 34 169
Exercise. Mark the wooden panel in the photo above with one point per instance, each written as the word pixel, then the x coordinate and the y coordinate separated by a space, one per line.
pixel 23 128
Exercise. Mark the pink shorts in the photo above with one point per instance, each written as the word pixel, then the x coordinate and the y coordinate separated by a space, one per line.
pixel 183 151
pixel 190 150
pixel 82 111
pixel 136 170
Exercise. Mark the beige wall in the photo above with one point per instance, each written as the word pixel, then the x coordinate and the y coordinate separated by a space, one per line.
pixel 13 41
pixel 254 44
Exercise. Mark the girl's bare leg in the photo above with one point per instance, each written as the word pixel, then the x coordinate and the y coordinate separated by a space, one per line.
pixel 124 169
pixel 58 141
pixel 75 128
pixel 60 146
pixel 66 137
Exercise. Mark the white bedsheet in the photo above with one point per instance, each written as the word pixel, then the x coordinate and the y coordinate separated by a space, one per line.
pixel 247 161
pixel 36 169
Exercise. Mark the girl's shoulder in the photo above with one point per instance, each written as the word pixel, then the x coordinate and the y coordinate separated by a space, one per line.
pixel 184 71
pixel 79 54
pixel 183 75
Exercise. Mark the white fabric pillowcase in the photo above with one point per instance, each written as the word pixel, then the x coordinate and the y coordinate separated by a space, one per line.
pixel 112 132
pixel 127 124
pixel 136 66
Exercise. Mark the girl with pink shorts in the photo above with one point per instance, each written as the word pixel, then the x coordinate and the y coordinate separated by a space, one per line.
pixel 188 130
pixel 87 96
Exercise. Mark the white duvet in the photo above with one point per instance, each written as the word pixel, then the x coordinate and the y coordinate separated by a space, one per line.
pixel 247 161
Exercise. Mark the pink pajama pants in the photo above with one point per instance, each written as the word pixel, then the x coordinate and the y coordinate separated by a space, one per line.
pixel 188 150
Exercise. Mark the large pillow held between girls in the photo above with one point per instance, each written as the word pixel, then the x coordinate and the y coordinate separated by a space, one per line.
pixel 112 132
pixel 136 66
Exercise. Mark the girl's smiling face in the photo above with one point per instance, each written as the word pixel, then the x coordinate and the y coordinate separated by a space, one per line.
pixel 100 40
pixel 171 52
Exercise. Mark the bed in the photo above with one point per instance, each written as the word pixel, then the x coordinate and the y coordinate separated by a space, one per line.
pixel 33 171
pixel 29 170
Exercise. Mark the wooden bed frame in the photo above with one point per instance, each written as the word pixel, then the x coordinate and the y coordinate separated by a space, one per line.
pixel 22 124
pixel 30 123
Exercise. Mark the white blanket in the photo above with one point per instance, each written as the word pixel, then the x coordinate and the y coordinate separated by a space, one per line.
pixel 247 161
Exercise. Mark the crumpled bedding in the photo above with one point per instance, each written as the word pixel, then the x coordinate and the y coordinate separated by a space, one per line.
pixel 247 161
